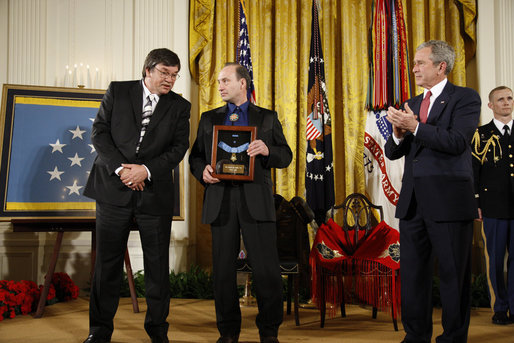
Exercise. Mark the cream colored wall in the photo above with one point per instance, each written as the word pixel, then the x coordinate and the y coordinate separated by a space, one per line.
pixel 495 49
pixel 38 38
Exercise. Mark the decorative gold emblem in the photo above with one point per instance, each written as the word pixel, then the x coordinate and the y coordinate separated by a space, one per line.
pixel 480 153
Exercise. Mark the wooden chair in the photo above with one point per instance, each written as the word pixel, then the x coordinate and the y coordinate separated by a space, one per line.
pixel 293 247
pixel 358 224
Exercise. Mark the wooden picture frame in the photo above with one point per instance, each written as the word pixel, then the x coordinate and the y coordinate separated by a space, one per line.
pixel 229 158
pixel 46 153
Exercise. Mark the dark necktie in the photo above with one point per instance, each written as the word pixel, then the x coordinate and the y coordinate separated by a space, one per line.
pixel 147 114
pixel 506 131
pixel 423 110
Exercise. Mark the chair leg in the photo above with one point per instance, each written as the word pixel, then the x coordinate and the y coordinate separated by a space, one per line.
pixel 323 304
pixel 289 285
pixel 395 323
pixel 296 291
pixel 343 304
pixel 374 313
pixel 394 304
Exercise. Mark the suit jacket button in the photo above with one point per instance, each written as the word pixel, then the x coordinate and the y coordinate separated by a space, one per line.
pixel 414 161
pixel 511 174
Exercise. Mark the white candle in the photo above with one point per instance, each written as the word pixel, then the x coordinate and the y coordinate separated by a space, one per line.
pixel 88 84
pixel 66 73
pixel 74 80
pixel 97 79
pixel 81 74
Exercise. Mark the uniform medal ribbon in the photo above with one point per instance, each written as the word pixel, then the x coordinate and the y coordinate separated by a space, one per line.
pixel 233 150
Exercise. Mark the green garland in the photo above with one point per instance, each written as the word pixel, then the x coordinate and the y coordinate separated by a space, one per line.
pixel 196 283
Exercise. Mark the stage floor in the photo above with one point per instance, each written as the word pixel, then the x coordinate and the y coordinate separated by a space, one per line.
pixel 192 320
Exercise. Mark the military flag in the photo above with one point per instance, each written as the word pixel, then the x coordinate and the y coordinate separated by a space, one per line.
pixel 389 85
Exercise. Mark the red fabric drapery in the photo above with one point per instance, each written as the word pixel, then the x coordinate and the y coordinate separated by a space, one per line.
pixel 367 273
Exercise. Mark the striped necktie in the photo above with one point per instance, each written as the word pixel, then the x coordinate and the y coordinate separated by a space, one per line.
pixel 147 114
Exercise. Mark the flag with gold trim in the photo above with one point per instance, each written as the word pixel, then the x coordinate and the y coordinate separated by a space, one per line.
pixel 319 171
pixel 243 54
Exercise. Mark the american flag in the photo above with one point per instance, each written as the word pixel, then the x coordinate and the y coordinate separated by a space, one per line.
pixel 244 56
pixel 319 174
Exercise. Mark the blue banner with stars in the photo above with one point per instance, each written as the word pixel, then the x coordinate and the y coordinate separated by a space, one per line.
pixel 51 154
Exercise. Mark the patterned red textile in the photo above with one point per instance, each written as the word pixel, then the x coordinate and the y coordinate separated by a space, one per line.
pixel 368 272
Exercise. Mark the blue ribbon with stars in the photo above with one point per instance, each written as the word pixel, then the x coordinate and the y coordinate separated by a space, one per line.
pixel 231 149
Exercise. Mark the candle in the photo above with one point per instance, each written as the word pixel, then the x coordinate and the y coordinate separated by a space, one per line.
pixel 88 84
pixel 97 79
pixel 81 74
pixel 74 79
pixel 66 73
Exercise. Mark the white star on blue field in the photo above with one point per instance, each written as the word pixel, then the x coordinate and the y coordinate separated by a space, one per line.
pixel 51 153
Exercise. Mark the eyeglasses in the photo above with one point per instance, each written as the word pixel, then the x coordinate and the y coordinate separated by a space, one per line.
pixel 166 75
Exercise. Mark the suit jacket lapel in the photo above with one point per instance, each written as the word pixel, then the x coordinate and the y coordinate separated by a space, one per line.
pixel 161 109
pixel 136 95
pixel 254 118
pixel 219 115
pixel 440 103
pixel 416 104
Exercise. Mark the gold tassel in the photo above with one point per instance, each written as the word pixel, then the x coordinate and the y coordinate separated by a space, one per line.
pixel 480 155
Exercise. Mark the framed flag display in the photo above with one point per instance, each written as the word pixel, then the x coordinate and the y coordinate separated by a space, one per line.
pixel 46 153
pixel 230 160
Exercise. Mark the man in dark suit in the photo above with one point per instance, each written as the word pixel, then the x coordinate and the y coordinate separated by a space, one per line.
pixel 230 206
pixel 141 133
pixel 493 167
pixel 436 207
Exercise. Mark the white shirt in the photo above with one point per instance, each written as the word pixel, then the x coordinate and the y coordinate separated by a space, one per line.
pixel 500 125
pixel 155 100
pixel 146 93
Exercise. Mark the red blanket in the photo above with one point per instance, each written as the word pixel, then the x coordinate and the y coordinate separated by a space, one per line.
pixel 367 271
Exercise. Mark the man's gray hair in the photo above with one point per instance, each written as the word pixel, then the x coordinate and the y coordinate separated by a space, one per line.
pixel 441 52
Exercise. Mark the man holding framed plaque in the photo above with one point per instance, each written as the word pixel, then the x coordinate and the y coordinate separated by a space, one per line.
pixel 235 148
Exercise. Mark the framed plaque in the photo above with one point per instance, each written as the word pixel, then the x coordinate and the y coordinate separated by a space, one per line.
pixel 229 159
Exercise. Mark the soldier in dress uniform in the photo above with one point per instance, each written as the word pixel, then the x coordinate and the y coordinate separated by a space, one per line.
pixel 493 167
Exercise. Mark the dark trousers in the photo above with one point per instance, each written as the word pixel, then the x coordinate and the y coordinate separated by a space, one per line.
pixel 421 240
pixel 113 225
pixel 499 238
pixel 260 242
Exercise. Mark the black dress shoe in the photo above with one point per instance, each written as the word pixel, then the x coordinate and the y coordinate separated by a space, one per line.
pixel 269 340
pixel 228 339
pixel 159 339
pixel 96 339
pixel 500 318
